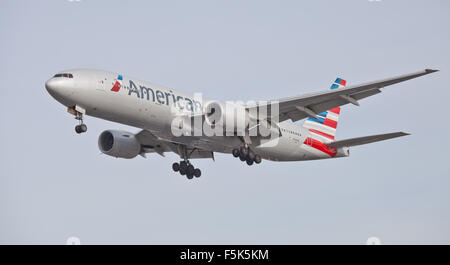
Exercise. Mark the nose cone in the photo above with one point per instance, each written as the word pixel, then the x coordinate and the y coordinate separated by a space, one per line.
pixel 54 85
pixel 51 85
pixel 60 89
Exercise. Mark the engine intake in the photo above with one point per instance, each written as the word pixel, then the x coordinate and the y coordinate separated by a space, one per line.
pixel 119 144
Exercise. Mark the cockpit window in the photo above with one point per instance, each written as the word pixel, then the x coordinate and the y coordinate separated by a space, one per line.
pixel 67 75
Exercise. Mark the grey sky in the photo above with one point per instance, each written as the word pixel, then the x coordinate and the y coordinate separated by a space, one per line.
pixel 55 184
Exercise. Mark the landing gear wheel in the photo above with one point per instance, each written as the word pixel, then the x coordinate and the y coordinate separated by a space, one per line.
pixel 242 157
pixel 243 150
pixel 182 171
pixel 197 173
pixel 176 167
pixel 190 170
pixel 83 127
pixel 235 152
pixel 249 161
pixel 183 166
pixel 189 176
pixel 257 159
pixel 251 155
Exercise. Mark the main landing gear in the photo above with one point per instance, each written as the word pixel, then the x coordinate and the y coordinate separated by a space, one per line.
pixel 245 154
pixel 186 169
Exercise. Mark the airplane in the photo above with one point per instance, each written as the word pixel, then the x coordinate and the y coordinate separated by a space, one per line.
pixel 262 130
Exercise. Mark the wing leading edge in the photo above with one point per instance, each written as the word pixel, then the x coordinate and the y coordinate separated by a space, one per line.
pixel 309 105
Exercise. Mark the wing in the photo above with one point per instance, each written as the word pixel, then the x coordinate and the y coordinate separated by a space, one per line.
pixel 297 108
pixel 150 143
pixel 365 139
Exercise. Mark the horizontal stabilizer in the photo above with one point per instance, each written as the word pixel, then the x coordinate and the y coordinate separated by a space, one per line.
pixel 365 139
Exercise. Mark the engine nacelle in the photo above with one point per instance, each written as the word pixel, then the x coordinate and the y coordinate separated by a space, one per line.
pixel 230 116
pixel 119 144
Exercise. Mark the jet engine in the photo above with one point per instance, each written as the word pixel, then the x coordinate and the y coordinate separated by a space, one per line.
pixel 119 144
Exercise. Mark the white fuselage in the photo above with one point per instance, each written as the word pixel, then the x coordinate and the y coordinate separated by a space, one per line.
pixel 148 106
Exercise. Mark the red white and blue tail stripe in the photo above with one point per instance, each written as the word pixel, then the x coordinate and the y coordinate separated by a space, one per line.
pixel 324 127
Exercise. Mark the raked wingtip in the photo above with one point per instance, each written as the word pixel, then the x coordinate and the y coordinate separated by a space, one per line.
pixel 428 70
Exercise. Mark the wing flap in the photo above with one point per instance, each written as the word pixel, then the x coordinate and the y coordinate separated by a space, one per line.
pixel 365 140
pixel 151 143
pixel 366 94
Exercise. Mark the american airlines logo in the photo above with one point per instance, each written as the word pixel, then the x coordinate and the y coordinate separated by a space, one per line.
pixel 192 116
pixel 117 84
pixel 159 96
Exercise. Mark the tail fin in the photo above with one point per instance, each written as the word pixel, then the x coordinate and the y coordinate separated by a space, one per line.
pixel 324 127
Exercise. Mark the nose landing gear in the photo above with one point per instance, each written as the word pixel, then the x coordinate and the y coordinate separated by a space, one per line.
pixel 81 127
